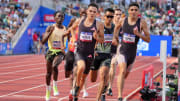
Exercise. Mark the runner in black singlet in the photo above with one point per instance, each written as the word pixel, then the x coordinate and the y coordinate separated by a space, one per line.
pixel 90 31
pixel 132 27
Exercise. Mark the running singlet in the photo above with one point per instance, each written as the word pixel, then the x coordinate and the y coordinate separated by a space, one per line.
pixel 108 36
pixel 86 42
pixel 72 42
pixel 129 39
pixel 55 39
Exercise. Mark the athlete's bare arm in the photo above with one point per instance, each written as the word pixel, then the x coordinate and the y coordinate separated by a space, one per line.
pixel 99 34
pixel 68 31
pixel 146 36
pixel 116 32
pixel 48 32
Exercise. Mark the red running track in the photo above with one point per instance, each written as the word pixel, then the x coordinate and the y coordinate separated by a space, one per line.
pixel 22 78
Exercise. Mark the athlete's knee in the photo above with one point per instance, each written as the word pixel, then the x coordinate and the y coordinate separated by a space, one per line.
pixel 55 69
pixel 48 74
pixel 122 72
pixel 102 75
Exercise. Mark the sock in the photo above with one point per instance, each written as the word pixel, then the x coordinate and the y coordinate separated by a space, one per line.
pixel 48 88
pixel 54 83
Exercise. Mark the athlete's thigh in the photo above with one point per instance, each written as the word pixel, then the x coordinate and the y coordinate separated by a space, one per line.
pixel 58 59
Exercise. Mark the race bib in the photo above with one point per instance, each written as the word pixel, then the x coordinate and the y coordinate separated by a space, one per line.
pixel 56 45
pixel 108 38
pixel 128 38
pixel 86 36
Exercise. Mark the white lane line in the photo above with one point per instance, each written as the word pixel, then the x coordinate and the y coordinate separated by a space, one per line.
pixel 20 71
pixel 29 60
pixel 29 89
pixel 22 65
pixel 27 77
pixel 31 97
pixel 157 60
pixel 25 70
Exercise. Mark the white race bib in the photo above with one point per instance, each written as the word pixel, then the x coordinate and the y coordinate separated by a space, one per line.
pixel 129 38
pixel 56 45
pixel 108 38
pixel 86 36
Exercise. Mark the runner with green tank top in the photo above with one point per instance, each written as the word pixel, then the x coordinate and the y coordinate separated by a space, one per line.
pixel 102 59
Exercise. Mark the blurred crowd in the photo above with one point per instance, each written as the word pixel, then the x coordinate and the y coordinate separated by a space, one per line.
pixel 162 20
pixel 12 16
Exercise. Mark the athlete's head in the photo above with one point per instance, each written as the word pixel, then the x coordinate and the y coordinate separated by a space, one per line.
pixel 109 14
pixel 92 10
pixel 117 14
pixel 82 12
pixel 133 10
pixel 59 17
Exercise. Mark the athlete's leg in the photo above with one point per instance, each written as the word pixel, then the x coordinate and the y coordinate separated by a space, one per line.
pixel 111 75
pixel 57 60
pixel 121 77
pixel 85 93
pixel 48 79
pixel 79 76
pixel 122 65
pixel 104 70
pixel 94 69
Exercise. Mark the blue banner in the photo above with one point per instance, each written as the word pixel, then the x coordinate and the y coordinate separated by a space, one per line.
pixel 153 48
pixel 4 47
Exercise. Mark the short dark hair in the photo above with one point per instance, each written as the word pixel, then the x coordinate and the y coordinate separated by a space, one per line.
pixel 133 4
pixel 93 5
pixel 109 10
pixel 117 9
pixel 61 12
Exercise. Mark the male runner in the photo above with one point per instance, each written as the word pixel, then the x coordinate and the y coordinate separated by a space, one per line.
pixel 102 59
pixel 70 57
pixel 55 54
pixel 90 31
pixel 117 17
pixel 132 27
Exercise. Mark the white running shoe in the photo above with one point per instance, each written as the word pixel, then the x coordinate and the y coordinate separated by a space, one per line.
pixel 55 90
pixel 85 94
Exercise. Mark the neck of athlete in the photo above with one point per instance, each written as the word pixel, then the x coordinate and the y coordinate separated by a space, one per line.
pixel 89 20
pixel 132 19
pixel 107 24
pixel 59 25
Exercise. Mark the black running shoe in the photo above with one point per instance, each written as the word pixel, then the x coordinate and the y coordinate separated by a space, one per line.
pixel 103 98
pixel 120 99
pixel 76 91
pixel 109 93
pixel 75 99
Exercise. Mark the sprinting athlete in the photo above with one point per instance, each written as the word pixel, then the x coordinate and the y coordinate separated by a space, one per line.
pixel 55 54
pixel 102 59
pixel 132 26
pixel 89 31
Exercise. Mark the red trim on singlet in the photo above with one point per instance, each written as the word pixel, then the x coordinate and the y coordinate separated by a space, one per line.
pixel 72 42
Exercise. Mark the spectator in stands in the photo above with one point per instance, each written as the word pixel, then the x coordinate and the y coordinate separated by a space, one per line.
pixel 35 42
pixel 41 47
